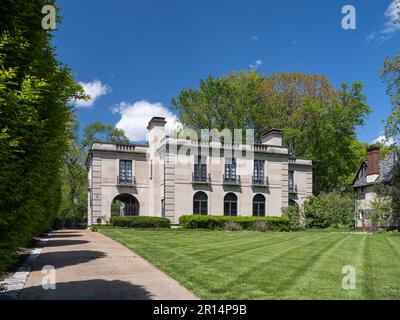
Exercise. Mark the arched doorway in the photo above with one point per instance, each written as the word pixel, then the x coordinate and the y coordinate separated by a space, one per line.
pixel 125 205
pixel 259 205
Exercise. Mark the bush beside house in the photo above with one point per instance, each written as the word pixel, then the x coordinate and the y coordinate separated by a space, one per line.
pixel 218 222
pixel 333 209
pixel 139 222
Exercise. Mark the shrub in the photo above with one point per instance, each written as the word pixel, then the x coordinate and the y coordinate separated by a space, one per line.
pixel 218 222
pixel 294 216
pixel 232 226
pixel 140 222
pixel 332 209
pixel 259 226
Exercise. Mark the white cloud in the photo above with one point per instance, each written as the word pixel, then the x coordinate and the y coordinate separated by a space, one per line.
pixel 382 139
pixel 392 15
pixel 254 38
pixel 95 90
pixel 256 64
pixel 135 118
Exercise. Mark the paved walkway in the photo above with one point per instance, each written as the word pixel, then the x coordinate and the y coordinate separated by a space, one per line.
pixel 91 266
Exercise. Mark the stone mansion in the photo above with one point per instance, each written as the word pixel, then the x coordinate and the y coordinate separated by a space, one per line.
pixel 156 180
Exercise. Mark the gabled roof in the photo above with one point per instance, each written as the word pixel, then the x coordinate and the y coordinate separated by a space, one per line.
pixel 386 167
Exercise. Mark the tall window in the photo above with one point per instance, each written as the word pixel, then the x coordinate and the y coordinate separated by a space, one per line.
pixel 230 170
pixel 230 205
pixel 291 181
pixel 258 176
pixel 125 171
pixel 200 169
pixel 162 207
pixel 259 205
pixel 200 203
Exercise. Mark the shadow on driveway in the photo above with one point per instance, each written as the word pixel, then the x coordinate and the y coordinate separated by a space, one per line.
pixel 63 243
pixel 68 235
pixel 62 259
pixel 88 290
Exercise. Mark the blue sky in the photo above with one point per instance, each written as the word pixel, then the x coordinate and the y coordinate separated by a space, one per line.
pixel 135 55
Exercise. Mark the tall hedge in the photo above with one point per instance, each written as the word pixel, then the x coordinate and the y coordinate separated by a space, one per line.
pixel 34 92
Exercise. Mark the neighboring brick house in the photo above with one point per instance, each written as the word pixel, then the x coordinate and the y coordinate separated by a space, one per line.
pixel 371 172
pixel 155 180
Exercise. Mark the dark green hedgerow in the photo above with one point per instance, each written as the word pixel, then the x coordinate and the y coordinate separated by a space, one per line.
pixel 218 222
pixel 140 222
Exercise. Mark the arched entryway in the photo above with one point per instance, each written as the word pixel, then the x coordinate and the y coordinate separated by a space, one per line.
pixel 125 205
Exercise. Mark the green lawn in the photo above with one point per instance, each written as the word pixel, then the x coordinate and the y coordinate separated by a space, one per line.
pixel 252 265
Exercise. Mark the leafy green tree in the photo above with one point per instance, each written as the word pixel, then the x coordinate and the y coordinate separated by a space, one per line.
pixel 319 122
pixel 334 209
pixel 99 132
pixel 391 75
pixel 74 173
pixel 34 92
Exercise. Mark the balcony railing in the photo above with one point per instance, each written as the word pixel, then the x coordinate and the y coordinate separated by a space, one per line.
pixel 126 182
pixel 201 178
pixel 231 180
pixel 261 182
pixel 293 189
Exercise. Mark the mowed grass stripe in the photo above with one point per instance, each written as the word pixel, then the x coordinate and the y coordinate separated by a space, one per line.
pixel 382 272
pixel 252 265
pixel 261 270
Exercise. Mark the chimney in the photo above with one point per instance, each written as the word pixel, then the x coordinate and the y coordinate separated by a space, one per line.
pixel 156 131
pixel 373 160
pixel 156 122
pixel 272 137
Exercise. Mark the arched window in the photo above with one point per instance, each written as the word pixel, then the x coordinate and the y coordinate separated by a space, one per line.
pixel 200 203
pixel 259 205
pixel 230 205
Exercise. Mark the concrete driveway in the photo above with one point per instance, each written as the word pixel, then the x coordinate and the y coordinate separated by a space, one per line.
pixel 91 266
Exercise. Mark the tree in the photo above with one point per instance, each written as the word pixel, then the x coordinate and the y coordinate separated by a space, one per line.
pixel 318 121
pixel 35 89
pixel 74 172
pixel 334 209
pixel 391 75
pixel 99 132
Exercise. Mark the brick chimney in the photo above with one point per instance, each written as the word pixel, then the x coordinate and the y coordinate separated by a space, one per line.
pixel 373 160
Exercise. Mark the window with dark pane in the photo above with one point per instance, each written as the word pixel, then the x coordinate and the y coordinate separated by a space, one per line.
pixel 200 203
pixel 230 205
pixel 259 206
pixel 125 171
pixel 291 181
pixel 258 175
